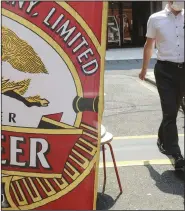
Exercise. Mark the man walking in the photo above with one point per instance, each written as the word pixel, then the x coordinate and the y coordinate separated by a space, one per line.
pixel 166 30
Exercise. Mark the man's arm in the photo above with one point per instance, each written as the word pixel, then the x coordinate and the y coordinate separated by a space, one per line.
pixel 147 54
pixel 149 45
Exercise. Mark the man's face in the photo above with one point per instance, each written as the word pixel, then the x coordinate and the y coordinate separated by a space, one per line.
pixel 176 6
pixel 170 3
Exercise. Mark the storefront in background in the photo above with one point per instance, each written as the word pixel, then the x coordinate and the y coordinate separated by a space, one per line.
pixel 127 22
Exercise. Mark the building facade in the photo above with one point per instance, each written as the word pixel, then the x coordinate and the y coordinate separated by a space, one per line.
pixel 127 22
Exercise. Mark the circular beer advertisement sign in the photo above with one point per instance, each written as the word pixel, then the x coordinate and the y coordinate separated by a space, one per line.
pixel 52 72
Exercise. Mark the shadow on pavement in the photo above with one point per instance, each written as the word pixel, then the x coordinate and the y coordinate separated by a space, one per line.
pixel 171 182
pixel 105 202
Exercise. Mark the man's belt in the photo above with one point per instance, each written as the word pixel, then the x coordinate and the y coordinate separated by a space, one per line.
pixel 179 65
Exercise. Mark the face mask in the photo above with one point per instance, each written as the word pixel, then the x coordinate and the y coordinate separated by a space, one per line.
pixel 177 6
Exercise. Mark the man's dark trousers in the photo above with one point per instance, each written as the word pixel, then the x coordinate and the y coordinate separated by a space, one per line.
pixel 170 81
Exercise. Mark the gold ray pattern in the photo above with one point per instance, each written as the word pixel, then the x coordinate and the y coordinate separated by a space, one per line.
pixel 20 54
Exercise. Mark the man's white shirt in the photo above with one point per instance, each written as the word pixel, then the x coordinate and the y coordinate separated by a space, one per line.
pixel 168 30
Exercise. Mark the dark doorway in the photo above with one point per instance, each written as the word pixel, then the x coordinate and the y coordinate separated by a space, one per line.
pixel 141 13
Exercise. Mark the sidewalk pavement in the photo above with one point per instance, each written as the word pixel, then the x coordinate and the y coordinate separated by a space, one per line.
pixel 126 58
pixel 126 54
pixel 148 187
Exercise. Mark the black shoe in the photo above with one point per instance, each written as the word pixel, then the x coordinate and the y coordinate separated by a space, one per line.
pixel 161 147
pixel 178 161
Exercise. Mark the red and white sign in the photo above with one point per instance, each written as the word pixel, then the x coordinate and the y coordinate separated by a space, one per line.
pixel 52 102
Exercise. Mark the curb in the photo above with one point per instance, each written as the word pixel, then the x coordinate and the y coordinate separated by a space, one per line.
pixel 128 61
pixel 150 81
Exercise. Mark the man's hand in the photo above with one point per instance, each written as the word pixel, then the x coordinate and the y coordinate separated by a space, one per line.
pixel 142 74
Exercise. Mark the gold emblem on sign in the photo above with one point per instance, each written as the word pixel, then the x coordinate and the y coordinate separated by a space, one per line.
pixel 23 58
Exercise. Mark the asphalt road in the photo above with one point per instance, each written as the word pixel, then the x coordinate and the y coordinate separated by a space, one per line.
pixel 132 107
pixel 150 187
pixel 133 114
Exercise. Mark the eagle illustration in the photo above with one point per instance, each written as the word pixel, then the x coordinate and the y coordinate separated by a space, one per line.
pixel 23 58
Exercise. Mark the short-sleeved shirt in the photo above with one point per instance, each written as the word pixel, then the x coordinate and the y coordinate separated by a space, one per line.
pixel 168 30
